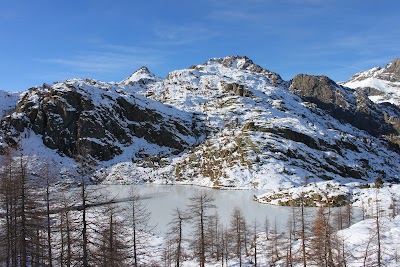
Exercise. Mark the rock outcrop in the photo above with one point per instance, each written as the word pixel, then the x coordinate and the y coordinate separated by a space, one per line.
pixel 344 104
pixel 88 117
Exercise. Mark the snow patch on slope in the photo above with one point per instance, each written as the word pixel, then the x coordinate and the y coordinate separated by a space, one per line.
pixel 361 240
pixel 390 90
pixel 386 80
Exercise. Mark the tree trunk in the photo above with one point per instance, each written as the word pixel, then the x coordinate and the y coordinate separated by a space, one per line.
pixel 303 232
pixel 48 224
pixel 84 227
pixel 23 216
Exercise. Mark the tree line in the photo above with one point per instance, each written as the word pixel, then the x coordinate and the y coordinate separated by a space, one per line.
pixel 47 223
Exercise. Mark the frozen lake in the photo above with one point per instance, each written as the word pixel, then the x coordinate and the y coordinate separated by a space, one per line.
pixel 161 200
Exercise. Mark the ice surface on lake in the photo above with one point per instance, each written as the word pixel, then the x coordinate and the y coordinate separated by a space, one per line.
pixel 161 200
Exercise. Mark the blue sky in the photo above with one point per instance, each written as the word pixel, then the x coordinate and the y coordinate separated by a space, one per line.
pixel 45 41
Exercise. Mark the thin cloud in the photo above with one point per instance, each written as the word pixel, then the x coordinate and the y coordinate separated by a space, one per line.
pixel 366 44
pixel 171 34
pixel 235 14
pixel 370 41
pixel 267 15
pixel 110 59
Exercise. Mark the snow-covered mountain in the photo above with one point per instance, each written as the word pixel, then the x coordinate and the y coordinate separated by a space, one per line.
pixel 381 84
pixel 225 123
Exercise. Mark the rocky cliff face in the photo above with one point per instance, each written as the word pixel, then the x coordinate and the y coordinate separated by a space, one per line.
pixel 225 123
pixel 344 104
pixel 90 117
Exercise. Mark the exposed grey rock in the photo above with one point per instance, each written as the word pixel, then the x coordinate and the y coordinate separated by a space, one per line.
pixel 342 103
pixel 237 89
pixel 394 69
pixel 71 121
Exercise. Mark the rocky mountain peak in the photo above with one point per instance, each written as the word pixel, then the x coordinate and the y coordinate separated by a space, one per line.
pixel 143 69
pixel 142 76
pixel 236 62
pixel 245 63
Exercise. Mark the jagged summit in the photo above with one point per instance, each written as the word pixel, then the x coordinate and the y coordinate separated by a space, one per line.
pixel 143 69
pixel 246 64
pixel 237 62
pixel 140 77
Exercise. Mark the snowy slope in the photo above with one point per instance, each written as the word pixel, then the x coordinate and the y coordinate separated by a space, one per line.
pixel 390 91
pixel 361 242
pixel 385 80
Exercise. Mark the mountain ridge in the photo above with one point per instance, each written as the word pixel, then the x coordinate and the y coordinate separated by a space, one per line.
pixel 228 123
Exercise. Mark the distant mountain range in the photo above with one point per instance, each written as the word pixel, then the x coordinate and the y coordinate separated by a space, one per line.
pixel 225 123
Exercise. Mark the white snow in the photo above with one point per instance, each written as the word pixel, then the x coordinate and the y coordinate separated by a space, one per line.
pixel 390 90
pixel 362 242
